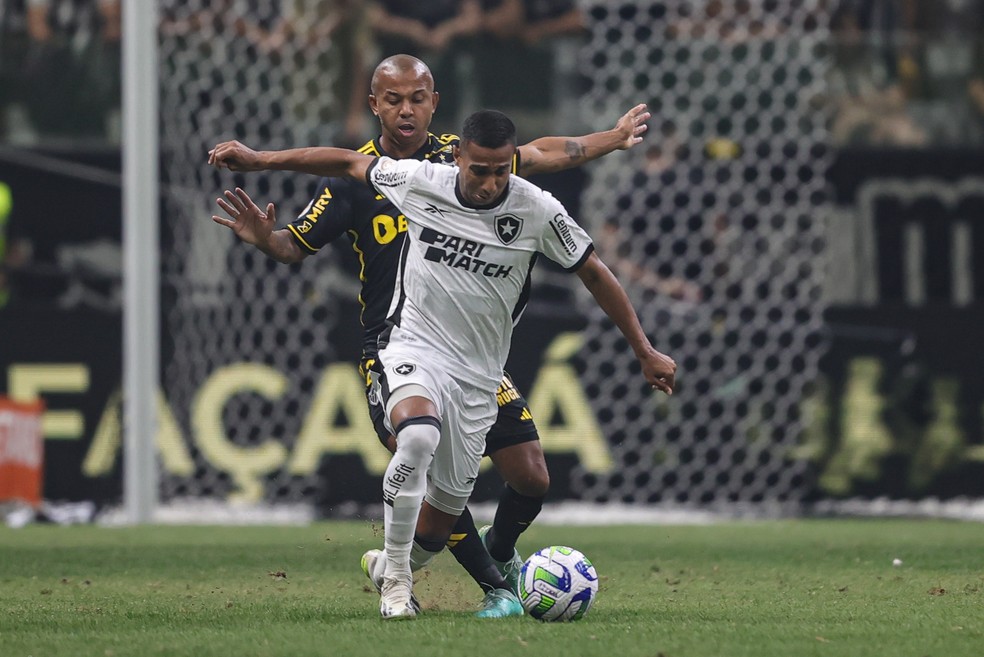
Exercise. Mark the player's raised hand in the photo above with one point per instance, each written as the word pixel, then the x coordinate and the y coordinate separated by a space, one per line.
pixel 632 126
pixel 659 370
pixel 235 156
pixel 248 222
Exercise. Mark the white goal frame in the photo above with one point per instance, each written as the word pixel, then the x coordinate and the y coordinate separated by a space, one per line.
pixel 141 268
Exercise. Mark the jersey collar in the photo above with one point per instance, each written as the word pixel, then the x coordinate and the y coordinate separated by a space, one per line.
pixel 421 153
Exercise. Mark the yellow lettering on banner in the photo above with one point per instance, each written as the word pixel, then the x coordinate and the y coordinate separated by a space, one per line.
pixel 816 437
pixel 865 438
pixel 170 442
pixel 106 440
pixel 246 465
pixel 944 439
pixel 975 452
pixel 29 382
pixel 557 391
pixel 341 388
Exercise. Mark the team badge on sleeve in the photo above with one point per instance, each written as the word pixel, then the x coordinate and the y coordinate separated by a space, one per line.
pixel 508 227
pixel 404 368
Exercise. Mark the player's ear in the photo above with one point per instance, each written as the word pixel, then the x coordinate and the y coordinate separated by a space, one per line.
pixel 373 105
pixel 435 99
pixel 456 153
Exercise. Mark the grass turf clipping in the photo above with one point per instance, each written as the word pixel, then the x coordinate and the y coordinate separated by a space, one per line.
pixel 756 589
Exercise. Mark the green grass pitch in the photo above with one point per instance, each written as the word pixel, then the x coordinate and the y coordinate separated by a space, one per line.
pixel 756 589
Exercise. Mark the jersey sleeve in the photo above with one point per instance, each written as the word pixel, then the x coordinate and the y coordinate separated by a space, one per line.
pixel 563 240
pixel 326 217
pixel 392 178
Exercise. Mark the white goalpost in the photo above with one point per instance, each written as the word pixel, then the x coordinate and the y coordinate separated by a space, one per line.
pixel 141 278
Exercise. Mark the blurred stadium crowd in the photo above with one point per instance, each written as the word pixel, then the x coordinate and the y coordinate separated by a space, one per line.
pixel 74 45
pixel 903 72
pixel 908 72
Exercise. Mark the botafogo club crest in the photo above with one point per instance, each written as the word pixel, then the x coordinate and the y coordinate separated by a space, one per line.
pixel 508 227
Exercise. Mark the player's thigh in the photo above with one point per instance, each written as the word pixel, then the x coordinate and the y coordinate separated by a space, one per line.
pixel 513 443
pixel 467 417
pixel 410 387
pixel 523 467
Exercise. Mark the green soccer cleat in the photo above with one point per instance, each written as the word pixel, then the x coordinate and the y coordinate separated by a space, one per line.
pixel 509 569
pixel 500 603
pixel 373 566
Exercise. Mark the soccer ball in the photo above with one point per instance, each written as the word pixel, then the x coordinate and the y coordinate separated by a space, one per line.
pixel 557 583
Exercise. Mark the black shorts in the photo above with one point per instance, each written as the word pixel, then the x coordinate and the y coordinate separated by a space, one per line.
pixel 514 424
pixel 370 370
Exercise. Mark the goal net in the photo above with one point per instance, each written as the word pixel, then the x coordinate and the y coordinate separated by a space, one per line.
pixel 724 216
pixel 714 225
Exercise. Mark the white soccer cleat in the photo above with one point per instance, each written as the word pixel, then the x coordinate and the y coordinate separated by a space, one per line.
pixel 374 566
pixel 396 598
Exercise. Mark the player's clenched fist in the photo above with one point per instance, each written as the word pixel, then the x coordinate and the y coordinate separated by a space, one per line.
pixel 235 156
pixel 659 370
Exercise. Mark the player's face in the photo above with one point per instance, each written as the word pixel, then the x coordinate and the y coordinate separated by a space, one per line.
pixel 405 104
pixel 483 173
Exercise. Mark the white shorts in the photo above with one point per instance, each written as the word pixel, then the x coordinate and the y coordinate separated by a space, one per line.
pixel 466 414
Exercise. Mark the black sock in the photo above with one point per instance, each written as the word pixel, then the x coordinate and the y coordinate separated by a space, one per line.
pixel 466 546
pixel 512 517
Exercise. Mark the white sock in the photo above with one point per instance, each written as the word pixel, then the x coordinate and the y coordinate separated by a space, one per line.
pixel 420 557
pixel 404 485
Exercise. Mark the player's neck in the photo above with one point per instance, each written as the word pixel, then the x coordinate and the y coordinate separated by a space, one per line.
pixel 400 152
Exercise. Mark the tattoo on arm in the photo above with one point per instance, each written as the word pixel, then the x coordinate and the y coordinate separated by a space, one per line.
pixel 574 150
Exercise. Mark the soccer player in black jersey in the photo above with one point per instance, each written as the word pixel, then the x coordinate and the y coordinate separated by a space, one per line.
pixel 404 100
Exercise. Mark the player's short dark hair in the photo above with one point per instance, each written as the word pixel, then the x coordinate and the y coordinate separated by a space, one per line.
pixel 489 129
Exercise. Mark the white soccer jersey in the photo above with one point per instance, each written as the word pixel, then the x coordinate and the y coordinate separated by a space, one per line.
pixel 464 276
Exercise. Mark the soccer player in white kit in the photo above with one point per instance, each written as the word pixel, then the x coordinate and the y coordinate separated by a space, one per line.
pixel 475 232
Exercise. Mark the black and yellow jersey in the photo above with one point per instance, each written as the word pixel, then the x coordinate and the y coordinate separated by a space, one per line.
pixel 374 227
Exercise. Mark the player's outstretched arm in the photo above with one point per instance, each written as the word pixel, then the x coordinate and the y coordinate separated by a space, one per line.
pixel 317 160
pixel 551 154
pixel 659 369
pixel 254 226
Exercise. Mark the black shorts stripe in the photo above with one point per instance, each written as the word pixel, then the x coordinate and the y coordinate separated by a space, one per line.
pixel 420 419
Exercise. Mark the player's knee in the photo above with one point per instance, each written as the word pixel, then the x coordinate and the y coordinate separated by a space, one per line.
pixel 534 482
pixel 418 435
pixel 539 484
